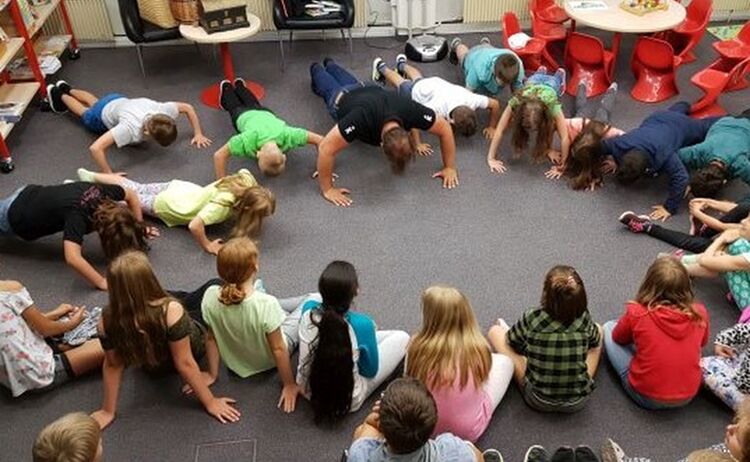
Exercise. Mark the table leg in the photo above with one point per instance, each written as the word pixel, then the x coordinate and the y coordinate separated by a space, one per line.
pixel 210 96
pixel 616 44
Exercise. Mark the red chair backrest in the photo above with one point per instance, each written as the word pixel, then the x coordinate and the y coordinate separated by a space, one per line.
pixel 537 5
pixel 654 53
pixel 510 26
pixel 739 72
pixel 585 49
pixel 744 35
pixel 699 11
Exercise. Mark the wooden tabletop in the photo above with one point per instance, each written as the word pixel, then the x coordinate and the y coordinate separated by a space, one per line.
pixel 199 35
pixel 615 19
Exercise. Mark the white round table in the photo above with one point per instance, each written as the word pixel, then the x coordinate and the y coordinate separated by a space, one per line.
pixel 210 96
pixel 615 19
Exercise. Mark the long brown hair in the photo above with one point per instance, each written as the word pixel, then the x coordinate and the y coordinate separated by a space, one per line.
pixel 236 263
pixel 585 162
pixel 449 343
pixel 118 229
pixel 742 418
pixel 252 204
pixel 135 319
pixel 531 114
pixel 564 296
pixel 667 285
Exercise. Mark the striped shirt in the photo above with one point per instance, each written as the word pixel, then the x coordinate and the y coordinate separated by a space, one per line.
pixel 556 354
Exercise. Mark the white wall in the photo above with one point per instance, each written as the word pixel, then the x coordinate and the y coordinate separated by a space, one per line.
pixel 447 10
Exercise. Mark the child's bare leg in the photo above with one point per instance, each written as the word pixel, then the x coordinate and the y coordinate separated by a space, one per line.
pixel 83 96
pixel 498 338
pixel 412 73
pixel 392 77
pixel 461 51
pixel 595 354
pixel 103 178
pixel 86 357
pixel 73 105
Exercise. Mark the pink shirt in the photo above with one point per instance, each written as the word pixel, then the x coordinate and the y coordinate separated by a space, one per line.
pixel 465 413
pixel 576 124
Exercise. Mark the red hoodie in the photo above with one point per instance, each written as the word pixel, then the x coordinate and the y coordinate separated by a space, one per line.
pixel 666 365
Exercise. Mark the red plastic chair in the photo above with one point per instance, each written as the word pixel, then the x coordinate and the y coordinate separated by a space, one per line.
pixel 588 61
pixel 736 48
pixel 653 66
pixel 548 11
pixel 721 76
pixel 531 53
pixel 688 34
pixel 548 31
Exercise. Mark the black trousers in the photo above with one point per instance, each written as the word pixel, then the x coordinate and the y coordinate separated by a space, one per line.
pixel 191 301
pixel 700 242
pixel 238 101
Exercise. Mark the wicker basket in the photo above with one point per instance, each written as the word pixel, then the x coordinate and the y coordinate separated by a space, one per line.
pixel 186 11
pixel 157 12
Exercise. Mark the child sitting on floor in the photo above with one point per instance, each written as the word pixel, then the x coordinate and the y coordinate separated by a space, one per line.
pixel 555 348
pixel 655 347
pixel 180 203
pixel 727 374
pixel 76 209
pixel 144 327
pixel 255 331
pixel 535 108
pixel 452 102
pixel 452 358
pixel 486 68
pixel 722 156
pixel 122 121
pixel 585 165
pixel 262 135
pixel 30 359
pixel 342 356
pixel 399 428
pixel 74 437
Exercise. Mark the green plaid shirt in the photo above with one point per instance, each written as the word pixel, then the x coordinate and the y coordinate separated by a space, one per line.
pixel 556 354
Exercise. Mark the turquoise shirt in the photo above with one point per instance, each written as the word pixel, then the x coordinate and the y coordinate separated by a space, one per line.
pixel 728 140
pixel 479 69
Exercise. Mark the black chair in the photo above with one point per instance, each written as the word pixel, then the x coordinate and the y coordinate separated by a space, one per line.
pixel 140 31
pixel 286 18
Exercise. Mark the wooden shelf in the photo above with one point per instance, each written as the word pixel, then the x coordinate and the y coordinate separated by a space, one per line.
pixel 14 44
pixel 42 51
pixel 16 93
pixel 43 12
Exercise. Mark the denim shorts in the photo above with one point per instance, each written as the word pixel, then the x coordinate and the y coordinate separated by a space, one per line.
pixel 92 118
pixel 544 405
pixel 5 229
pixel 63 371
pixel 406 87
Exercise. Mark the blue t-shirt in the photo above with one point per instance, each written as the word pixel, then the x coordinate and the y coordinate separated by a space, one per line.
pixel 445 448
pixel 367 342
pixel 479 69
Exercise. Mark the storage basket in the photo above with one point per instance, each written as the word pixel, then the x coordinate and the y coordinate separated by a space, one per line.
pixel 157 12
pixel 186 11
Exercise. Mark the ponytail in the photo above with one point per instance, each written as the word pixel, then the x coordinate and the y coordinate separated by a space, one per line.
pixel 331 377
pixel 231 294
pixel 236 262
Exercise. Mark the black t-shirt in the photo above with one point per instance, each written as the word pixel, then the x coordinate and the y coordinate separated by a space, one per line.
pixel 363 112
pixel 39 211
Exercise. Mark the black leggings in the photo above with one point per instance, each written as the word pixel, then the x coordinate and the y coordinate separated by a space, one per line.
pixel 700 242
pixel 192 301
pixel 238 101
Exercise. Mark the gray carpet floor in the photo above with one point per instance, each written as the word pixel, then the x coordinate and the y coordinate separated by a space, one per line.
pixel 494 238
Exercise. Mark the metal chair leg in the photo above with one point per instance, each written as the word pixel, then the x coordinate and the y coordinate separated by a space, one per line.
pixel 139 51
pixel 351 43
pixel 291 38
pixel 281 49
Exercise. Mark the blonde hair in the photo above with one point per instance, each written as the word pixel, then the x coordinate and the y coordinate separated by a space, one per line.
pixel 252 204
pixel 74 437
pixel 449 341
pixel 667 285
pixel 271 160
pixel 236 263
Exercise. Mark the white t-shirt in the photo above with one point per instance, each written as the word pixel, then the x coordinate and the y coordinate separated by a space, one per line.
pixel 124 117
pixel 308 334
pixel 26 361
pixel 443 97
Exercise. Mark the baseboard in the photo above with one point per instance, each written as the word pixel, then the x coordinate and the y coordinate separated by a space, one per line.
pixel 374 31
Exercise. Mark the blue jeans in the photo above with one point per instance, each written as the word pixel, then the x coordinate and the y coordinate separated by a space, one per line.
pixel 406 87
pixel 5 229
pixel 620 357
pixel 329 81
pixel 553 81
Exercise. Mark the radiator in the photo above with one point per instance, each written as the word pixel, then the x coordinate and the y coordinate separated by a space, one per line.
pixel 731 5
pixel 264 10
pixel 492 10
pixel 89 18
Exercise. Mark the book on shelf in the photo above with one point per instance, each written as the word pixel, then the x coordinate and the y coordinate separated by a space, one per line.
pixel 10 112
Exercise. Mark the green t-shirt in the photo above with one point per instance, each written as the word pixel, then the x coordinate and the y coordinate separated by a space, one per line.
pixel 182 201
pixel 258 127
pixel 240 330
pixel 547 94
